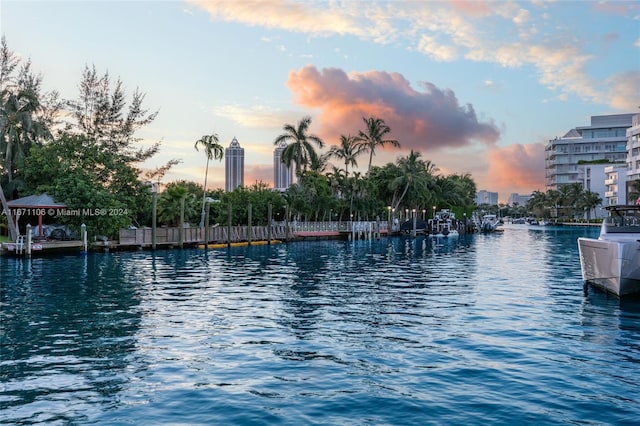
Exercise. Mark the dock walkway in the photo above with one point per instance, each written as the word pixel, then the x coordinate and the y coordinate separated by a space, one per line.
pixel 215 236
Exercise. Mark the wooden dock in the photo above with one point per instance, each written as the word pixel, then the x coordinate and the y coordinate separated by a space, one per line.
pixel 39 248
pixel 214 237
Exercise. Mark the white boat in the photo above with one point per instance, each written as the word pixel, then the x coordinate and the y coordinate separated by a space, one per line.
pixel 612 261
pixel 489 223
pixel 444 224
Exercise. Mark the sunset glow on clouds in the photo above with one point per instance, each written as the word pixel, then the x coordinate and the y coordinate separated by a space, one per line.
pixel 520 167
pixel 475 86
pixel 426 120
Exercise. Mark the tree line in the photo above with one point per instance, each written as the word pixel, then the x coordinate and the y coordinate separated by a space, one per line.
pixel 84 152
pixel 569 202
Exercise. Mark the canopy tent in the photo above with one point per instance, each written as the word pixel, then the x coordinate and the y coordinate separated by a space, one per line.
pixel 36 204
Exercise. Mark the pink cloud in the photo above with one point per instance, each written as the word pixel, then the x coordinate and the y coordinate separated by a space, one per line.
pixel 258 173
pixel 516 168
pixel 426 120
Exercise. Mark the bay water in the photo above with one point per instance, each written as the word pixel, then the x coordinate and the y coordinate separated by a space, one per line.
pixel 481 329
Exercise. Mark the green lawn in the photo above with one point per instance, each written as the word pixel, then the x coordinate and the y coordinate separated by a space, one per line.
pixel 4 239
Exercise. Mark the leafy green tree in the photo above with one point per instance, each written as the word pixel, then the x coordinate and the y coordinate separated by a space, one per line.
pixel 311 198
pixel 86 178
pixel 170 201
pixel 101 140
pixel 259 195
pixel 212 149
pixel 91 163
pixel 318 193
pixel 374 136
pixel 383 178
pixel 296 198
pixel 101 114
pixel 299 148
pixel 466 189
pixel 365 205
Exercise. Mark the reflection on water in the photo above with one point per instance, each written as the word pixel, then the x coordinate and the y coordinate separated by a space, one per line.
pixel 63 336
pixel 476 329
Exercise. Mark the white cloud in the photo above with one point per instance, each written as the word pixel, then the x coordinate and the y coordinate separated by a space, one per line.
pixel 621 87
pixel 291 16
pixel 259 116
pixel 522 17
pixel 495 32
pixel 438 51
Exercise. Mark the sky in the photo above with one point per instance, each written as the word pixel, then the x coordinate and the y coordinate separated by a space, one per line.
pixel 476 87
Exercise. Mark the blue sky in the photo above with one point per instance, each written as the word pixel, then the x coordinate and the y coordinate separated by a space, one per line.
pixel 476 87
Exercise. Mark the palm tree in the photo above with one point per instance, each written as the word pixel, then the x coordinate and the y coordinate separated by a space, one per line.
pixel 212 149
pixel 19 128
pixel 571 194
pixel 466 187
pixel 374 135
pixel 348 151
pixel 300 149
pixel 538 201
pixel 553 198
pixel 413 180
pixel 356 188
pixel 336 179
pixel 321 163
pixel 448 192
pixel 589 201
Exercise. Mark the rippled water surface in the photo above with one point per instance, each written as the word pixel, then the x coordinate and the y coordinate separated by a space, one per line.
pixel 485 329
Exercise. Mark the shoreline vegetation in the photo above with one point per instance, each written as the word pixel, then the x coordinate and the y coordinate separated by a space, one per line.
pixel 86 155
pixel 241 236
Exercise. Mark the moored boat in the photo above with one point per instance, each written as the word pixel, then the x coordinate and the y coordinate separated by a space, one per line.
pixel 444 224
pixel 489 223
pixel 612 261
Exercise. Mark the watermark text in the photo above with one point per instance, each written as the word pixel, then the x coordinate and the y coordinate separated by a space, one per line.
pixel 66 212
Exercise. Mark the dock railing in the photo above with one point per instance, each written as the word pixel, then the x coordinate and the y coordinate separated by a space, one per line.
pixel 166 236
pixel 171 236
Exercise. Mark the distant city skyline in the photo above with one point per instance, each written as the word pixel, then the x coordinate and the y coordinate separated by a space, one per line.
pixel 476 87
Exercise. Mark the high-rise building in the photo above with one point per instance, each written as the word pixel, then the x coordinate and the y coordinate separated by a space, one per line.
pixel 282 175
pixel 234 166
pixel 486 197
pixel 585 155
pixel 517 199
pixel 604 140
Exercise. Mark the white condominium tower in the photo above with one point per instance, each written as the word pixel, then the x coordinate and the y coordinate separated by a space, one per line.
pixel 569 159
pixel 234 166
